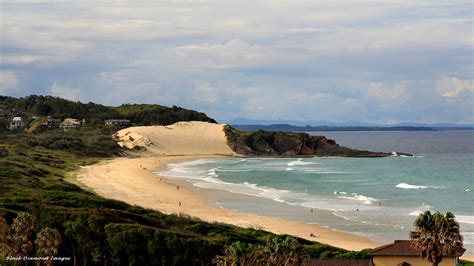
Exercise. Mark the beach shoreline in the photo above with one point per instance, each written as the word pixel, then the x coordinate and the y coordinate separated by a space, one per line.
pixel 133 180
pixel 136 181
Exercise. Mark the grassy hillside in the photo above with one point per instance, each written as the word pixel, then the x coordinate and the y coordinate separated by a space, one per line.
pixel 41 213
pixel 33 173
pixel 139 114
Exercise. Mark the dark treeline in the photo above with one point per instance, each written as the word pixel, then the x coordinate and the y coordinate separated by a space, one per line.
pixel 139 114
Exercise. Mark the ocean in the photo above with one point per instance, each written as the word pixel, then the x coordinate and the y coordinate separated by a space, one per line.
pixel 375 197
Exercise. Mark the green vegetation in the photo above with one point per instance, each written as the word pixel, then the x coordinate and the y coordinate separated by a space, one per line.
pixel 61 219
pixel 138 114
pixel 436 234
pixel 270 143
pixel 265 143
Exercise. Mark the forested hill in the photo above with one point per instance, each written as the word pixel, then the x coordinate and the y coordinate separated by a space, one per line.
pixel 138 114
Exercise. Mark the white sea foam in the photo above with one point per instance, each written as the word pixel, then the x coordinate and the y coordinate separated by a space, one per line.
pixel 408 186
pixel 347 218
pixel 421 209
pixel 299 162
pixel 245 188
pixel 325 171
pixel 193 163
pixel 468 238
pixel 212 172
pixel 467 219
pixel 395 154
pixel 358 197
pixel 289 169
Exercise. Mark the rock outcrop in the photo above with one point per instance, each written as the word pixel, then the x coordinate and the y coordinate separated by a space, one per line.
pixel 263 143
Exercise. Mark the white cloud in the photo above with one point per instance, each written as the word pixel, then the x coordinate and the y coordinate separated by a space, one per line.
pixel 452 87
pixel 266 59
pixel 8 81
pixel 64 91
pixel 385 92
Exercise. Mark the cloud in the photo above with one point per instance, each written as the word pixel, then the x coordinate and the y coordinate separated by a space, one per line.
pixel 452 87
pixel 232 54
pixel 64 91
pixel 373 61
pixel 8 81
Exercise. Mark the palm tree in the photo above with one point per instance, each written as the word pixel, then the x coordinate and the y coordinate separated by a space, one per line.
pixel 238 253
pixel 282 250
pixel 436 234
pixel 21 230
pixel 47 242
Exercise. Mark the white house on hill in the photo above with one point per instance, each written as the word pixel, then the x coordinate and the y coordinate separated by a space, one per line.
pixel 17 123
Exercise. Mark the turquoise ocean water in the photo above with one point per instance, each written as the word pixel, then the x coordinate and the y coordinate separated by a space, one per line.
pixel 378 198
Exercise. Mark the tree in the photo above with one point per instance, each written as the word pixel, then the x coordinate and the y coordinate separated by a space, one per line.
pixel 239 253
pixel 4 238
pixel 21 230
pixel 436 234
pixel 282 250
pixel 278 250
pixel 48 241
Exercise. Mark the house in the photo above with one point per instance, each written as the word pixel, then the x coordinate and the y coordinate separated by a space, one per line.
pixel 69 123
pixel 7 114
pixel 117 122
pixel 17 123
pixel 401 253
pixel 49 121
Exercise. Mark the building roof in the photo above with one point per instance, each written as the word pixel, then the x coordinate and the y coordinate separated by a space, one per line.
pixel 17 119
pixel 117 120
pixel 403 248
pixel 339 262
pixel 71 121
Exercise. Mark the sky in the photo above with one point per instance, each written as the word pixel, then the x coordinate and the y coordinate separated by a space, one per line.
pixel 371 61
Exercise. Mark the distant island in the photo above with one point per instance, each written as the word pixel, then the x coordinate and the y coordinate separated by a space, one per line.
pixel 291 128
pixel 323 125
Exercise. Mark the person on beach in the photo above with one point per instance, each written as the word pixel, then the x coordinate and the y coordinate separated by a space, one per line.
pixel 179 203
pixel 177 187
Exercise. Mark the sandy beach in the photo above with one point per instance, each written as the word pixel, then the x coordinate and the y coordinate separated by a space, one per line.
pixel 133 180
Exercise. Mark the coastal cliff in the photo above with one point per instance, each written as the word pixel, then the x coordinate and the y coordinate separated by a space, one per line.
pixel 201 138
pixel 263 143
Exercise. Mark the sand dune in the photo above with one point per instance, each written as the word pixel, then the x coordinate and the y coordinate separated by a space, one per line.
pixel 132 180
pixel 182 138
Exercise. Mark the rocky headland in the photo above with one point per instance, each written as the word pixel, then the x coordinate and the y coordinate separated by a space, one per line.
pixel 264 143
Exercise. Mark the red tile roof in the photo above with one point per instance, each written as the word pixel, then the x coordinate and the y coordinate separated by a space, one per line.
pixel 338 262
pixel 403 248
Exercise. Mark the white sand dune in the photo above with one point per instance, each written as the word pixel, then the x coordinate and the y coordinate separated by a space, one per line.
pixel 132 180
pixel 182 138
